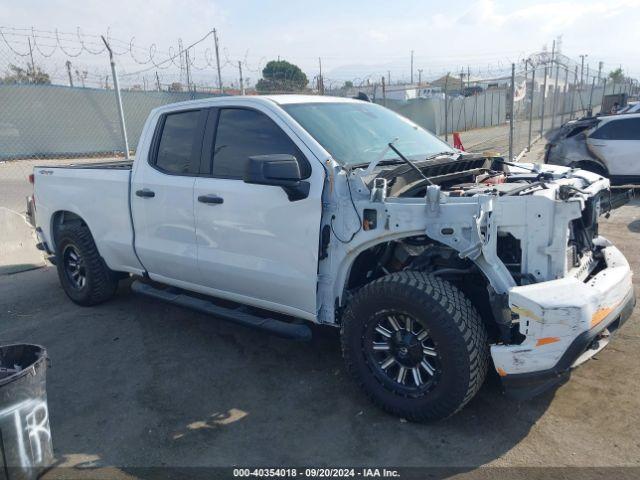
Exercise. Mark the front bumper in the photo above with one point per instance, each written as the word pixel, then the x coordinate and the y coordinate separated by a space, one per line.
pixel 565 322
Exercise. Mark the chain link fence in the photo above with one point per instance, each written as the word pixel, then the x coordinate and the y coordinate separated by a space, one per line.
pixel 44 121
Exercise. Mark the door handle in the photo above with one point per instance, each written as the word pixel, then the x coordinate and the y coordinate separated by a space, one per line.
pixel 145 193
pixel 211 199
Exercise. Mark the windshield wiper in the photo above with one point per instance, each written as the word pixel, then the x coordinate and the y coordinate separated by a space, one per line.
pixel 410 163
pixel 440 154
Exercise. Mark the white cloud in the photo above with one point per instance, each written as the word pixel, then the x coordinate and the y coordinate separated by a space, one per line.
pixel 488 33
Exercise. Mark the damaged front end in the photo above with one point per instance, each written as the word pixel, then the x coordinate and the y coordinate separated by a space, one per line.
pixel 567 146
pixel 553 289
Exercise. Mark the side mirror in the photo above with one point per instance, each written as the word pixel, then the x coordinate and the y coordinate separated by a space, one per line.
pixel 279 170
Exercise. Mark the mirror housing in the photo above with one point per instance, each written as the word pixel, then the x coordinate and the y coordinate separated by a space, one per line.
pixel 280 170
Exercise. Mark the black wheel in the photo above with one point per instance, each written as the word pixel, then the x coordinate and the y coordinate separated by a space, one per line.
pixel 416 345
pixel 84 276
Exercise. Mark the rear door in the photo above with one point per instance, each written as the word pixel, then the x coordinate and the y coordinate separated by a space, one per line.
pixel 618 143
pixel 256 246
pixel 162 197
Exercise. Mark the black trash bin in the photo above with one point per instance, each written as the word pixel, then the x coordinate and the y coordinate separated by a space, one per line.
pixel 25 437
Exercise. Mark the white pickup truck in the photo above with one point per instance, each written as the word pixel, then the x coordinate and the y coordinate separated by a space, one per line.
pixel 278 211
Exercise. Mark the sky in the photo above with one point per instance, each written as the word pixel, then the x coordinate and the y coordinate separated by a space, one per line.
pixel 355 39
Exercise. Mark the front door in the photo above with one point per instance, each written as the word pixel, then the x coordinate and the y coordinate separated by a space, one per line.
pixel 256 246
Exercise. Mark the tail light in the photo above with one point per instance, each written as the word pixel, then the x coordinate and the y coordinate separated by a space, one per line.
pixel 32 179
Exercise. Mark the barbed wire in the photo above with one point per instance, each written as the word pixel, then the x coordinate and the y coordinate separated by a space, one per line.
pixel 25 42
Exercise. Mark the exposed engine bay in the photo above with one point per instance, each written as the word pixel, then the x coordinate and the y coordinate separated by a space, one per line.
pixel 484 224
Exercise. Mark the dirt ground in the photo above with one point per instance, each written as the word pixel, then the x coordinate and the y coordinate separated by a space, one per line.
pixel 138 383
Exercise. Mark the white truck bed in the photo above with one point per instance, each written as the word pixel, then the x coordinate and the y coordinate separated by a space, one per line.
pixel 99 194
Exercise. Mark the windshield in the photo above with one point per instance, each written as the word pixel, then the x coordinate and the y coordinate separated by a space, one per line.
pixel 358 133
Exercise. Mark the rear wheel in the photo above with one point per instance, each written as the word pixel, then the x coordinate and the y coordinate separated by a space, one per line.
pixel 84 276
pixel 416 345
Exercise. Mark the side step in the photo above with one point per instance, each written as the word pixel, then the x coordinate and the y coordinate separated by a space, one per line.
pixel 176 296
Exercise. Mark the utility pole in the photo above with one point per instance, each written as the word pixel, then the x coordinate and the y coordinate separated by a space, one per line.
pixel 604 91
pixel 215 40
pixel 116 87
pixel 590 111
pixel 411 67
pixel 544 88
pixel 468 76
pixel 564 95
pixel 181 52
pixel 419 76
pixel 158 81
pixel 320 79
pixel 573 93
pixel 241 81
pixel 512 109
pixel 388 77
pixel 33 65
pixel 68 64
pixel 582 57
pixel 186 58
pixel 555 96
pixel 533 83
pixel 446 108
pixel 599 71
pixel 384 93
pixel 461 81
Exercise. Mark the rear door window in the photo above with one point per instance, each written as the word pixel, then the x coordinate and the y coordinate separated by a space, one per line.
pixel 180 143
pixel 623 129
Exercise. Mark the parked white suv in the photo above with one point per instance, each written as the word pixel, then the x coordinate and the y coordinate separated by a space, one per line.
pixel 608 145
pixel 276 211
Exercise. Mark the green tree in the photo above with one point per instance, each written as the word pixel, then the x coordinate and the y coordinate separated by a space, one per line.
pixel 617 75
pixel 18 75
pixel 346 87
pixel 281 76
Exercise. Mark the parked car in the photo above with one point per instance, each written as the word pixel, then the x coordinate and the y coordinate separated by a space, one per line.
pixel 433 263
pixel 632 107
pixel 608 145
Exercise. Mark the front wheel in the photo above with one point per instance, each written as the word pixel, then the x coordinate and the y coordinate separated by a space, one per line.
pixel 416 345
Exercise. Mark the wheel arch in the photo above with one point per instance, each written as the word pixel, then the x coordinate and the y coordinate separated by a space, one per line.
pixel 347 273
pixel 64 217
pixel 365 256
pixel 345 267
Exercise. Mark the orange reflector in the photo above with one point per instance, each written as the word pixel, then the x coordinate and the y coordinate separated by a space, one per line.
pixel 501 372
pixel 546 341
pixel 600 315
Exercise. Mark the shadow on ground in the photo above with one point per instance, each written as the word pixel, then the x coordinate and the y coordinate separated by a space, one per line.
pixel 140 383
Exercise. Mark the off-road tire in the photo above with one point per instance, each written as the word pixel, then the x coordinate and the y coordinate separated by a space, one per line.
pixel 101 282
pixel 458 334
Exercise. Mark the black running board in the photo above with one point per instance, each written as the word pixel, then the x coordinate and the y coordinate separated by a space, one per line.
pixel 179 297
